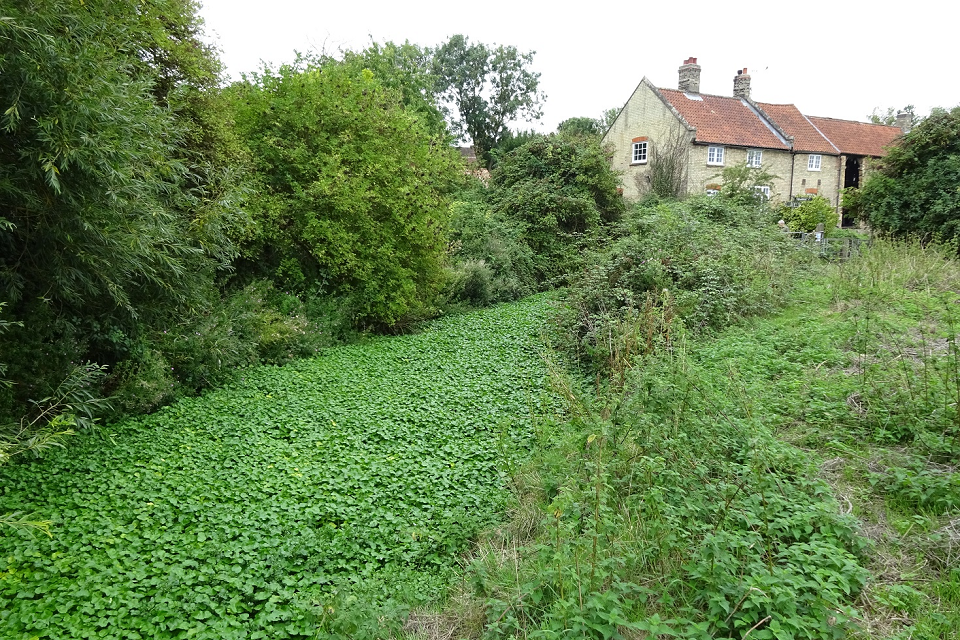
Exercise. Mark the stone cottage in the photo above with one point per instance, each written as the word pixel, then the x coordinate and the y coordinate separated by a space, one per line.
pixel 808 155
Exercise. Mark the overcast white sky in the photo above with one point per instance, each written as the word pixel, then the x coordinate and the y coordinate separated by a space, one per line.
pixel 838 58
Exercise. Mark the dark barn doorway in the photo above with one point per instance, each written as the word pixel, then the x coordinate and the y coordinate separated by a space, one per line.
pixel 851 178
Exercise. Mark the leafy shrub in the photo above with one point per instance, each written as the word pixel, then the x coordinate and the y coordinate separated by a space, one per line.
pixel 806 215
pixel 932 490
pixel 559 191
pixel 350 187
pixel 703 273
pixel 916 188
pixel 208 347
pixel 471 281
pixel 480 235
pixel 740 184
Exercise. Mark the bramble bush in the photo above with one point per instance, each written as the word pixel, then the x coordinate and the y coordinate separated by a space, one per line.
pixel 560 192
pixel 705 262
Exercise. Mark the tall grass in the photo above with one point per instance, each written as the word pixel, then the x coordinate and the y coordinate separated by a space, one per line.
pixel 671 501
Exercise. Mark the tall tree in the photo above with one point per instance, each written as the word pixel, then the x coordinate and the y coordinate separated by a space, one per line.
pixel 404 68
pixel 101 219
pixel 916 189
pixel 489 87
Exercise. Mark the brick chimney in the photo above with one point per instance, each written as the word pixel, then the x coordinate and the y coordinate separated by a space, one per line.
pixel 741 84
pixel 689 76
pixel 904 121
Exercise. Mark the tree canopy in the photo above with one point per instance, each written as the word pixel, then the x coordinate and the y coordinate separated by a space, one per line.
pixel 349 186
pixel 916 189
pixel 489 87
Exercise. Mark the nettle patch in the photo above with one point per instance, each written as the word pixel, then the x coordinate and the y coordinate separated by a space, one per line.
pixel 240 514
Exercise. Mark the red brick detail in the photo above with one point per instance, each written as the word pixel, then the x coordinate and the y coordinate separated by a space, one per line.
pixel 812 191
pixel 690 61
pixel 640 139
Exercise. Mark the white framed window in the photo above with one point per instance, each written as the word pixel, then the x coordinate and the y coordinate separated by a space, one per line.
pixel 639 153
pixel 765 191
pixel 754 157
pixel 813 162
pixel 715 155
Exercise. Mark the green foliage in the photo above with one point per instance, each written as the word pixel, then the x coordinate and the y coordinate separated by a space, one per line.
pixel 889 117
pixel 86 179
pixel 916 188
pixel 488 86
pixel 491 261
pixel 559 191
pixel 208 347
pixel 806 215
pixel 668 505
pixel 405 69
pixel 114 183
pixel 582 126
pixel 511 140
pixel 286 504
pixel 740 184
pixel 608 118
pixel 934 491
pixel 350 188
pixel 705 262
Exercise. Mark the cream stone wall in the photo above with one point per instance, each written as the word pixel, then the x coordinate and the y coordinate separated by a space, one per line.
pixel 645 114
pixel 703 176
pixel 827 181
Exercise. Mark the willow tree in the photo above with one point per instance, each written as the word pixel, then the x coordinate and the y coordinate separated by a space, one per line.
pixel 102 222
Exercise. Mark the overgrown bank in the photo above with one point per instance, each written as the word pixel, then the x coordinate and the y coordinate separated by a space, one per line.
pixel 791 477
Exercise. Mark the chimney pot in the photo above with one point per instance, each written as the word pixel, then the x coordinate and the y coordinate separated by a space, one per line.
pixel 689 76
pixel 741 84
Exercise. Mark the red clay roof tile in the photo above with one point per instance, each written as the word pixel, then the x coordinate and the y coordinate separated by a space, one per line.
pixel 724 120
pixel 857 138
pixel 806 137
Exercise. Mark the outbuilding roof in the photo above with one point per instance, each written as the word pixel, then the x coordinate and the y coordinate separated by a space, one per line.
pixel 724 120
pixel 857 138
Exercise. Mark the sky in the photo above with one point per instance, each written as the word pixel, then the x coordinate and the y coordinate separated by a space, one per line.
pixel 838 58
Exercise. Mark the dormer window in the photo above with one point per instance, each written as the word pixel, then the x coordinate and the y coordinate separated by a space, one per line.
pixel 715 156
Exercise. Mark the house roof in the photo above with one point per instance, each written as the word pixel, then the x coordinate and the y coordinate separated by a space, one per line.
pixel 724 120
pixel 806 136
pixel 857 138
